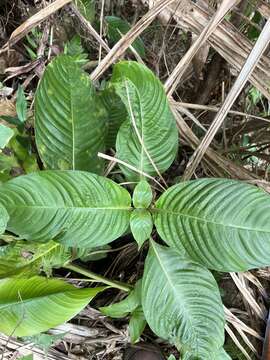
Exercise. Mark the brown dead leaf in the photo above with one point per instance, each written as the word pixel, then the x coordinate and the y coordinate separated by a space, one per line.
pixel 7 108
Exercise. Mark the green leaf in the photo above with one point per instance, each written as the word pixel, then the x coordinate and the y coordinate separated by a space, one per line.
pixel 136 325
pixel 171 357
pixel 4 217
pixel 27 357
pixel 142 195
pixel 221 355
pixel 141 225
pixel 6 134
pixel 69 121
pixel 30 306
pixel 77 208
pixel 149 117
pixel 87 9
pixel 44 341
pixel 117 114
pixel 222 224
pixel 75 49
pixel 116 28
pixel 181 303
pixel 24 257
pixel 21 104
pixel 126 306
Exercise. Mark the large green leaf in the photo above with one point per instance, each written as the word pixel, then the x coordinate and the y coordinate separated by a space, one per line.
pixel 30 306
pixel 222 224
pixel 25 257
pixel 149 117
pixel 116 28
pixel 70 124
pixel 182 304
pixel 77 208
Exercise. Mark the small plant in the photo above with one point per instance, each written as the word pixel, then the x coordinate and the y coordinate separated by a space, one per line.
pixel 61 213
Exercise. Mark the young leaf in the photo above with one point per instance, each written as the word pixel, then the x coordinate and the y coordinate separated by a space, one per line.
pixel 116 28
pixel 142 195
pixel 70 123
pixel 136 325
pixel 117 114
pixel 222 224
pixel 171 357
pixel 6 134
pixel 24 257
pixel 77 208
pixel 126 306
pixel 4 217
pixel 148 140
pixel 181 303
pixel 21 104
pixel 141 225
pixel 33 305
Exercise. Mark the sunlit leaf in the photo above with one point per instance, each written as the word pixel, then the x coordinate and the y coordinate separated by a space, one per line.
pixel 33 305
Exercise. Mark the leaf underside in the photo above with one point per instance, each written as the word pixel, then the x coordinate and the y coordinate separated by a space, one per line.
pixel 75 208
pixel 222 224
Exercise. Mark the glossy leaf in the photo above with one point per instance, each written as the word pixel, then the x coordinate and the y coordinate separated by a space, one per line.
pixel 126 306
pixel 77 208
pixel 150 122
pixel 70 124
pixel 33 305
pixel 181 302
pixel 141 225
pixel 4 217
pixel 136 325
pixel 142 195
pixel 116 28
pixel 25 258
pixel 6 134
pixel 117 114
pixel 222 224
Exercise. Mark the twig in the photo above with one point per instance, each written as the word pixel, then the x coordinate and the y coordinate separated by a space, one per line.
pixel 32 22
pixel 240 82
pixel 88 27
pixel 181 67
pixel 122 45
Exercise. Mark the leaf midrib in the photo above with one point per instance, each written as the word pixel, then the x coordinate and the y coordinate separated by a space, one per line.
pixel 188 318
pixel 159 210
pixel 73 207
pixel 23 302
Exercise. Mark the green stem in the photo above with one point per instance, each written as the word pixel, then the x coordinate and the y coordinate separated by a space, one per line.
pixel 99 278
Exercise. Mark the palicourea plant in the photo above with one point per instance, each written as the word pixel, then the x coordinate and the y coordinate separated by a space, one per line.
pixel 198 225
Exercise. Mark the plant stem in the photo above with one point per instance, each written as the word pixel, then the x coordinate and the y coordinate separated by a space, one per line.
pixel 99 278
